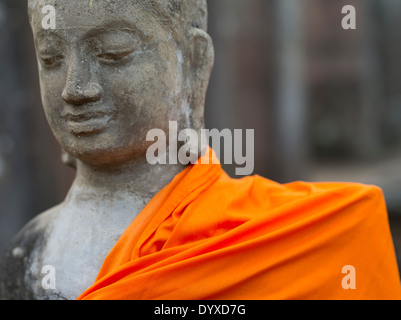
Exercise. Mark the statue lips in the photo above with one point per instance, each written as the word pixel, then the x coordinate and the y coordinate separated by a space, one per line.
pixel 88 122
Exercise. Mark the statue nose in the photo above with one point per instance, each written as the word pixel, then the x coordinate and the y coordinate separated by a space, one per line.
pixel 80 87
pixel 77 95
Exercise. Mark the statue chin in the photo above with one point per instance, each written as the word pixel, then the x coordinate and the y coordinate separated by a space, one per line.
pixel 103 157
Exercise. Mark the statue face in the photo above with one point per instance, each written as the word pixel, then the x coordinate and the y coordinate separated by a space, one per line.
pixel 109 73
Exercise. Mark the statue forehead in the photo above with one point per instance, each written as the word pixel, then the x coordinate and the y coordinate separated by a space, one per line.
pixel 120 5
pixel 174 16
pixel 95 13
pixel 98 10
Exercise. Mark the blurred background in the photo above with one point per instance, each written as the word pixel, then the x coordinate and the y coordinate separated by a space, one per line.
pixel 325 102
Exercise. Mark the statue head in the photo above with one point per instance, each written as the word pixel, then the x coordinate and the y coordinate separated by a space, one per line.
pixel 111 70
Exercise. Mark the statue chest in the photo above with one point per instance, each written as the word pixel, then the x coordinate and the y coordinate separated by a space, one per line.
pixel 72 255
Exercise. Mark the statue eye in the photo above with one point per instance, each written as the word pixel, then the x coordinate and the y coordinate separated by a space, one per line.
pixel 114 56
pixel 51 62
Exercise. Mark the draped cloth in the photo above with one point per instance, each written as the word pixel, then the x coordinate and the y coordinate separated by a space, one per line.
pixel 206 236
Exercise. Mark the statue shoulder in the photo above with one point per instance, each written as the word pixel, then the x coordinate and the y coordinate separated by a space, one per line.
pixel 17 277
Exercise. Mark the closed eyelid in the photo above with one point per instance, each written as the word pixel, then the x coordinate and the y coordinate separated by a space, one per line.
pixel 114 56
pixel 118 51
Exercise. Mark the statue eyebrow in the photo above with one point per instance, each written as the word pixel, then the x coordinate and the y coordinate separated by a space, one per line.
pixel 48 35
pixel 114 26
pixel 93 31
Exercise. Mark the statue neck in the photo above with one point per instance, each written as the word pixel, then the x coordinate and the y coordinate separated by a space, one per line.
pixel 121 189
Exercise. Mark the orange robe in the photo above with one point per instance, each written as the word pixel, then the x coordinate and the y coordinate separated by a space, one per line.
pixel 207 236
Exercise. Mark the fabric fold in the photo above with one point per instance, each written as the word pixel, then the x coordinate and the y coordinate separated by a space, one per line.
pixel 206 236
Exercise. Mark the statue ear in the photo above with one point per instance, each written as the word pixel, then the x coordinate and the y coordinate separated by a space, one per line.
pixel 202 51
pixel 201 60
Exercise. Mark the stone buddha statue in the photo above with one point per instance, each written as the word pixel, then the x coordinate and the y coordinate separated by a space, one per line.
pixel 110 71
